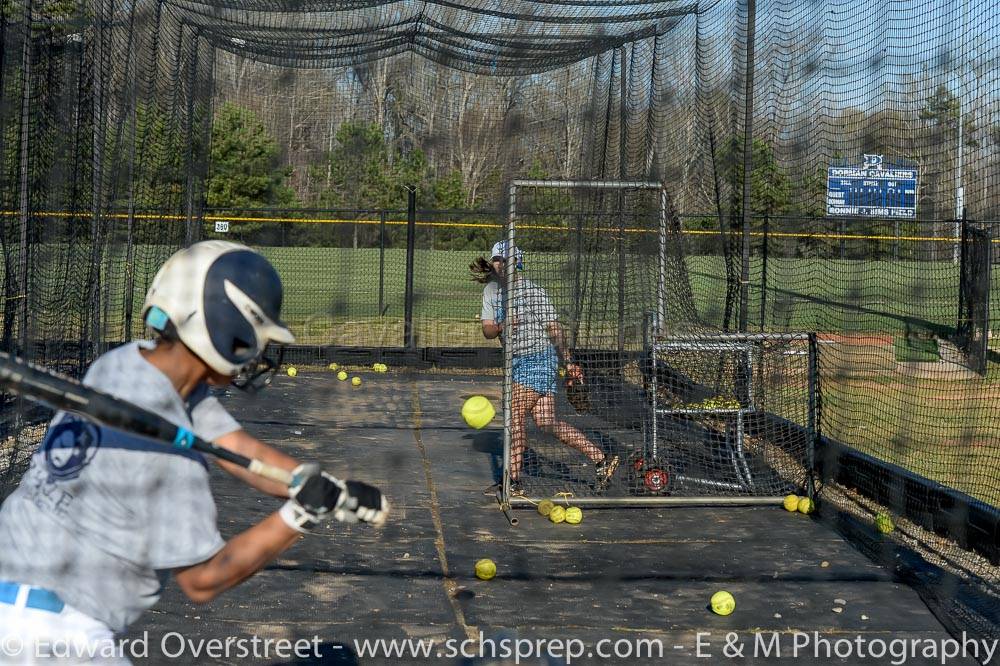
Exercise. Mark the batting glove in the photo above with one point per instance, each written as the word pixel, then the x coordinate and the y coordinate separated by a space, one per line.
pixel 319 494
pixel 363 503
pixel 297 517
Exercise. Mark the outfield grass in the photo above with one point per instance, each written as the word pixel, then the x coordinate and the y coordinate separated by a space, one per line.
pixel 936 422
pixel 336 286
pixel 802 294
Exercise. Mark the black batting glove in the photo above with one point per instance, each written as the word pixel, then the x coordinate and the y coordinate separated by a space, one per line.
pixel 320 494
pixel 363 503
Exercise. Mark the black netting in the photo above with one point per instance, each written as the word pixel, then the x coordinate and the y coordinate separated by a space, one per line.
pixel 130 129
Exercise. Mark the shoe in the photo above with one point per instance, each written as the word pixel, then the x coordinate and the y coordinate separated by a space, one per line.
pixel 492 490
pixel 516 489
pixel 605 470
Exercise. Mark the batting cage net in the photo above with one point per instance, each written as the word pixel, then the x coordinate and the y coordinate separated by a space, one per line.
pixel 368 149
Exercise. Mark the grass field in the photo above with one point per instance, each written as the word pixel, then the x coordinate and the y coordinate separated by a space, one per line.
pixel 327 288
pixel 930 418
pixel 940 423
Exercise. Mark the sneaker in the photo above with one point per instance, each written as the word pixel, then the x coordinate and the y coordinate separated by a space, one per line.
pixel 605 470
pixel 517 490
pixel 492 490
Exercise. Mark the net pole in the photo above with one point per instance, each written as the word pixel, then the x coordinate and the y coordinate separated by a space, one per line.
pixel 577 283
pixel 747 164
pixel 813 420
pixel 984 302
pixel 23 202
pixel 411 240
pixel 959 184
pixel 620 247
pixel 508 348
pixel 661 286
pixel 962 275
pixel 622 171
pixel 130 218
pixel 763 271
pixel 189 134
pixel 381 263
pixel 99 137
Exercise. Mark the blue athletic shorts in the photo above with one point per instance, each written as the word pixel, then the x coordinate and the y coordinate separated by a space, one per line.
pixel 537 371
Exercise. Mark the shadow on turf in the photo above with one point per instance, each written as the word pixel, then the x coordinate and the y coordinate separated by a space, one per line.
pixel 490 442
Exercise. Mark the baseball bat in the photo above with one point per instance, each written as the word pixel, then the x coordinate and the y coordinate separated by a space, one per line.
pixel 60 392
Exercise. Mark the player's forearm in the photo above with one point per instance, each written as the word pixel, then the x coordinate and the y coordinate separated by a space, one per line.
pixel 243 555
pixel 247 445
pixel 558 338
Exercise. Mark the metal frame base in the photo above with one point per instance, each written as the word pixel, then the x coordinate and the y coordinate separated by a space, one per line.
pixel 621 502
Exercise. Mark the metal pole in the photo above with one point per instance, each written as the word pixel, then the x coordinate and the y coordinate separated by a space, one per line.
pixel 813 420
pixel 747 162
pixel 655 398
pixel 963 278
pixel 613 502
pixel 594 184
pixel 622 171
pixel 409 340
pixel 381 263
pixel 895 241
pixel 579 283
pixel 131 83
pixel 189 130
pixel 23 203
pixel 620 247
pixel 661 282
pixel 99 134
pixel 130 230
pixel 763 271
pixel 713 340
pixel 843 242
pixel 508 346
pixel 959 185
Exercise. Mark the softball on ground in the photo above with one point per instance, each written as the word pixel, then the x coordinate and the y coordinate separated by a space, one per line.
pixel 342 376
pixel 723 603
pixel 292 371
pixel 574 515
pixel 333 366
pixel 557 514
pixel 478 411
pixel 545 507
pixel 883 522
pixel 792 503
pixel 806 505
pixel 356 381
pixel 485 569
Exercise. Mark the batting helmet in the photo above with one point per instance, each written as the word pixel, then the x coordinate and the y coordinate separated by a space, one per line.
pixel 222 300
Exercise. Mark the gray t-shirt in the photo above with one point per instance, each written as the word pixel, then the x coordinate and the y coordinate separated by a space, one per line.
pixel 102 515
pixel 532 310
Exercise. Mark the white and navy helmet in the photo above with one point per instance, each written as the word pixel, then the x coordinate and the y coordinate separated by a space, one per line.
pixel 500 250
pixel 222 300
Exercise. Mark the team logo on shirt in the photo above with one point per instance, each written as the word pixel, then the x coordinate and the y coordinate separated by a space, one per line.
pixel 69 447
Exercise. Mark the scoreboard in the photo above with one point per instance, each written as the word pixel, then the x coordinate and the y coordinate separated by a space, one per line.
pixel 871 190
